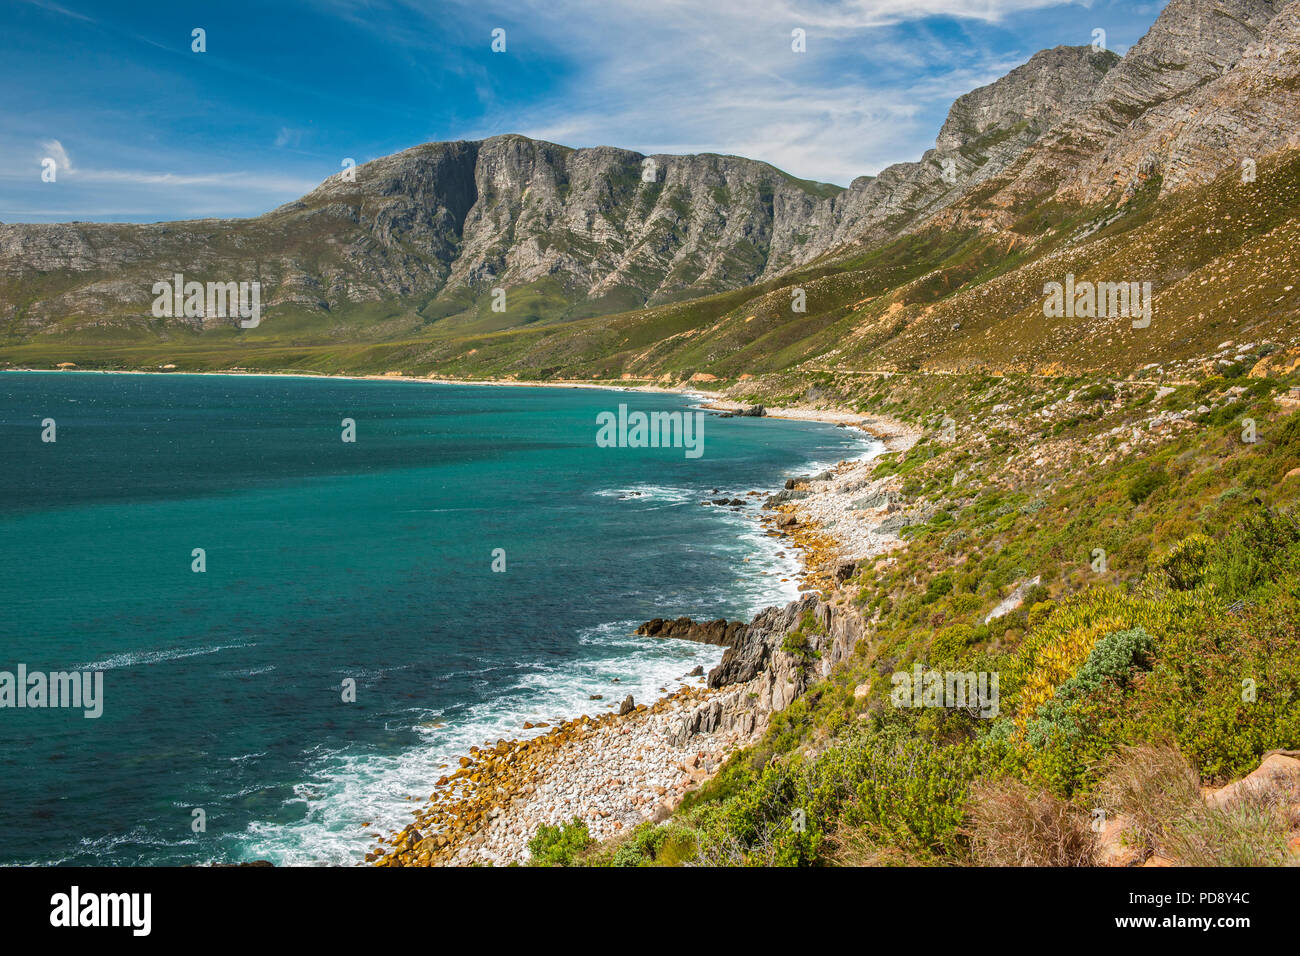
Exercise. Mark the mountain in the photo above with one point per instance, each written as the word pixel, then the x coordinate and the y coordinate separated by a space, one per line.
pixel 566 232
pixel 437 228
pixel 985 132
pixel 1143 183
pixel 618 265
pixel 1126 133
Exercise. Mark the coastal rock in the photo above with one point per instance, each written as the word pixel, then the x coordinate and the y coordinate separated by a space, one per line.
pixel 781 497
pixel 761 677
pixel 746 660
pixel 730 712
pixel 881 499
pixel 627 706
pixel 720 632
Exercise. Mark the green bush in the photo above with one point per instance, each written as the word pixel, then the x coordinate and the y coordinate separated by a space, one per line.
pixel 951 643
pixel 939 585
pixel 1101 392
pixel 1185 565
pixel 1144 484
pixel 557 846
pixel 796 641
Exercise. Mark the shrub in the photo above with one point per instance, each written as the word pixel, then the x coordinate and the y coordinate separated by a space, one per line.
pixel 796 642
pixel 1226 687
pixel 1101 392
pixel 906 790
pixel 1144 484
pixel 1185 565
pixel 939 585
pixel 1256 549
pixel 950 643
pixel 650 844
pixel 1111 658
pixel 557 846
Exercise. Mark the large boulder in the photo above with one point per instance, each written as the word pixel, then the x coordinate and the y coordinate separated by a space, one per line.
pixel 1277 777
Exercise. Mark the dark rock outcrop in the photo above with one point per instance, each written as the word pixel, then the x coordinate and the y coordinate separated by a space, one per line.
pixel 721 632
pixel 844 570
pixel 786 494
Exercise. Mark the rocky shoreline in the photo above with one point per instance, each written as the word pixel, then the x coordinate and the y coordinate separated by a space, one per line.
pixel 618 770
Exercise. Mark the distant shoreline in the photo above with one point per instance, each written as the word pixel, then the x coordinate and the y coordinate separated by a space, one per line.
pixel 890 431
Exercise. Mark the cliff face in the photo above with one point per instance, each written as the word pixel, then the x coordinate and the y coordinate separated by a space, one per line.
pixel 1246 110
pixel 1211 83
pixel 447 222
pixel 765 678
pixel 985 132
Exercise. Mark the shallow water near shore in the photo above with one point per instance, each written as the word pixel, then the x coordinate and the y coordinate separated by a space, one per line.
pixel 328 560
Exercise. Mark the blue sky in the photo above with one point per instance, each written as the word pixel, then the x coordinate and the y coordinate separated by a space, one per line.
pixel 142 128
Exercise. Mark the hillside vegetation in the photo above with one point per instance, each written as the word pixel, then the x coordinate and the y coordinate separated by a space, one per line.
pixel 1127 682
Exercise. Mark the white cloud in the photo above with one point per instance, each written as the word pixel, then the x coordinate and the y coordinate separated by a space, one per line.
pixel 53 149
pixel 255 181
pixel 679 76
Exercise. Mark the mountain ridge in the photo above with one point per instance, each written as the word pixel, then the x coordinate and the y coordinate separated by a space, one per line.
pixel 1078 161
pixel 587 231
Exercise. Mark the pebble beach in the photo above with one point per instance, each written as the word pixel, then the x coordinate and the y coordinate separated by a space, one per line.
pixel 617 770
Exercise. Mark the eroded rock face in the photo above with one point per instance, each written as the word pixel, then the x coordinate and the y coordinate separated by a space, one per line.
pixel 608 227
pixel 1212 82
pixel 767 679
pixel 1244 112
pixel 986 131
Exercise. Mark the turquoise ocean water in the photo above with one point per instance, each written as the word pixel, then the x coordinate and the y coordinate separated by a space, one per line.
pixel 328 560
